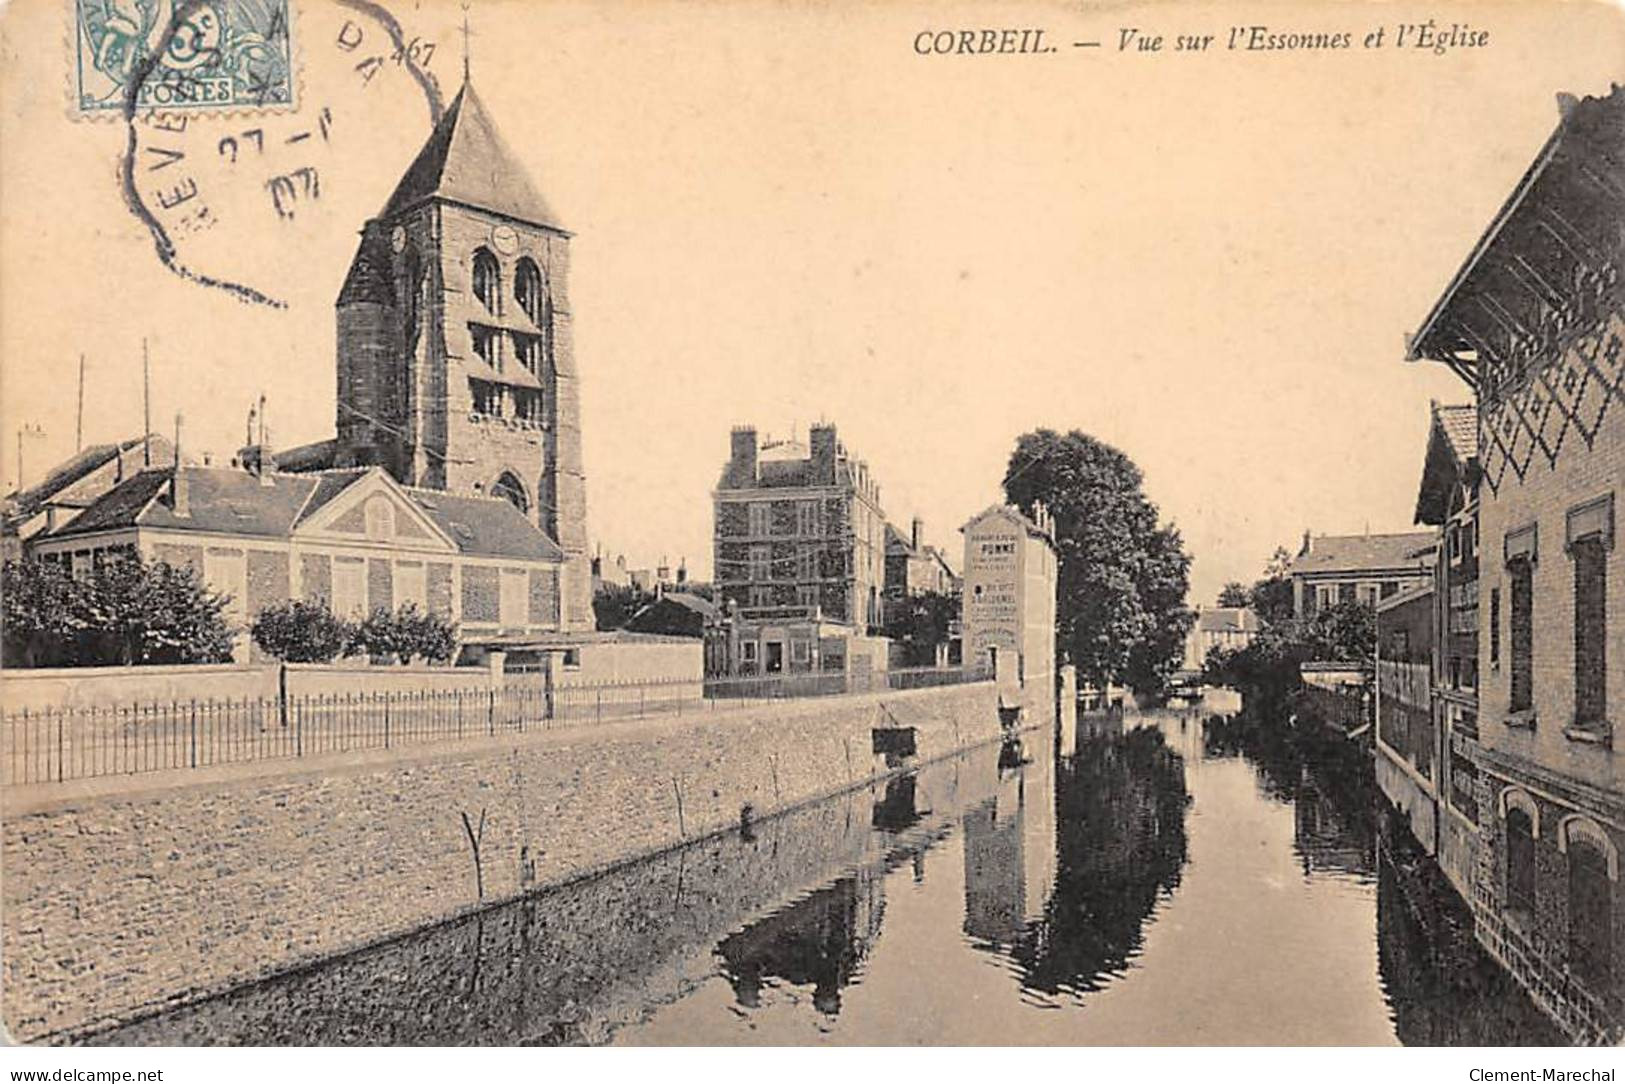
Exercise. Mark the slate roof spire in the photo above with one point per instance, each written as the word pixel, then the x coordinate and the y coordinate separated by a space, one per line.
pixel 466 162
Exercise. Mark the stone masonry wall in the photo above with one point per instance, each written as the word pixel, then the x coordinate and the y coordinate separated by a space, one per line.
pixel 117 904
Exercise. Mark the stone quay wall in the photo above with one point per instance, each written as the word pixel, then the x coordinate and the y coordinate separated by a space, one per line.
pixel 115 905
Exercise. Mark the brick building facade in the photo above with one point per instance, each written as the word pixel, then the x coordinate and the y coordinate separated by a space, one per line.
pixel 800 556
pixel 1534 322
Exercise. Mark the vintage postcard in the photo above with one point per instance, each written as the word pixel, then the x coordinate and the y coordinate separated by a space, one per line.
pixel 767 523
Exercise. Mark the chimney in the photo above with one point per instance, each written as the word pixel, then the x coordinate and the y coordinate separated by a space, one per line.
pixel 180 491
pixel 1306 543
pixel 916 532
pixel 682 570
pixel 821 441
pixel 742 457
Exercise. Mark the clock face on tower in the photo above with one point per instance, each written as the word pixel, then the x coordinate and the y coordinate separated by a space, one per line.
pixel 505 240
pixel 397 239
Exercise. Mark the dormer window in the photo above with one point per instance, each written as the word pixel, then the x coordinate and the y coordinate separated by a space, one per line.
pixel 488 281
pixel 527 290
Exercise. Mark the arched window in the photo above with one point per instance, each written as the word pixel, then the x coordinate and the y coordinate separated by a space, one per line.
pixel 1520 861
pixel 1591 908
pixel 511 490
pixel 488 281
pixel 527 289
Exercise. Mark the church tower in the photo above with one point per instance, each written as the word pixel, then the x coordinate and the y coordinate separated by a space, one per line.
pixel 456 363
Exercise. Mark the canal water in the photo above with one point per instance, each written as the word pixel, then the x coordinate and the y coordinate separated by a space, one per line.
pixel 1184 879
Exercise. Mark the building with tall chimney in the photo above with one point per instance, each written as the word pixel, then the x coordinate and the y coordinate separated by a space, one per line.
pixel 800 556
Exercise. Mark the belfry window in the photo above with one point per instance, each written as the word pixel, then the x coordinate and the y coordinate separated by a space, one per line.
pixel 488 281
pixel 487 398
pixel 527 290
pixel 528 349
pixel 486 342
pixel 527 405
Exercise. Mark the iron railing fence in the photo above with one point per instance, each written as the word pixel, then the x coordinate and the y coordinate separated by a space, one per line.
pixel 59 744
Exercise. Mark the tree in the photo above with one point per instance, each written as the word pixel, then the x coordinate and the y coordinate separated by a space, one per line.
pixel 42 614
pixel 300 631
pixel 125 611
pixel 920 623
pixel 1266 670
pixel 406 634
pixel 1271 596
pixel 613 606
pixel 1123 578
pixel 1236 594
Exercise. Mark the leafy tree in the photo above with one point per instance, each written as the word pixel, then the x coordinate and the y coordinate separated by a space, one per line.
pixel 426 636
pixel 125 611
pixel 1267 669
pixel 1271 596
pixel 613 606
pixel 1236 594
pixel 300 631
pixel 405 634
pixel 1123 578
pixel 920 623
pixel 41 613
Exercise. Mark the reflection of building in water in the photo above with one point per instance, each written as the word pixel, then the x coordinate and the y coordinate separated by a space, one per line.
pixel 1010 854
pixel 1325 839
pixel 897 810
pixel 818 941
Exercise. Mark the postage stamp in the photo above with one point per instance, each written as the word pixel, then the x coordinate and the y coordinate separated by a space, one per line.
pixel 183 55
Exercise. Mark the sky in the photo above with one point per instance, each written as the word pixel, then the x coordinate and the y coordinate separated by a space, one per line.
pixel 782 213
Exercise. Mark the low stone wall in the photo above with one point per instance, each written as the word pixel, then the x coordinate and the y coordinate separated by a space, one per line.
pixel 116 905
pixel 110 686
pixel 571 964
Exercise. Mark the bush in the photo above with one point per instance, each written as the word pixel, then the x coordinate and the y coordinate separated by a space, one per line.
pixel 406 634
pixel 300 631
pixel 125 612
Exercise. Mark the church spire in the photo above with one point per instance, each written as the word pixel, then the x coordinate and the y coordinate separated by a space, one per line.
pixel 464 161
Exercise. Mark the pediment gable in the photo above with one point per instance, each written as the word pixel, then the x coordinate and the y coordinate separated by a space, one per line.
pixel 375 509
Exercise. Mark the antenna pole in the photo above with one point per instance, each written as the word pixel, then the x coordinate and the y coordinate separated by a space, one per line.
pixel 79 423
pixel 146 405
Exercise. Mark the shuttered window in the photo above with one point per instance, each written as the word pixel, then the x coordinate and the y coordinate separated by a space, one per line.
pixel 1522 620
pixel 1590 632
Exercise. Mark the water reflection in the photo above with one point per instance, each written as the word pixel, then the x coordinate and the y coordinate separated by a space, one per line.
pixel 820 942
pixel 1188 878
